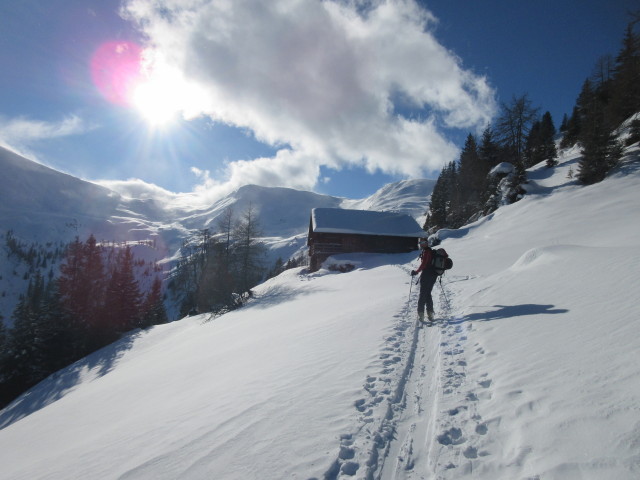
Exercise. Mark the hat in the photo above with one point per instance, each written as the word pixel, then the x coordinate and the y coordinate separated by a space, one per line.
pixel 423 242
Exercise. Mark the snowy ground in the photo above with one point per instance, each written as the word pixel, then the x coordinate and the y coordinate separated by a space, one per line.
pixel 531 373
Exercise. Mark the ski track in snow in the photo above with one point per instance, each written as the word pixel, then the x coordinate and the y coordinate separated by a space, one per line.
pixel 432 426
pixel 362 453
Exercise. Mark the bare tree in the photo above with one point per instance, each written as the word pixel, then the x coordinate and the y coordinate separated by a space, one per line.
pixel 249 252
pixel 514 124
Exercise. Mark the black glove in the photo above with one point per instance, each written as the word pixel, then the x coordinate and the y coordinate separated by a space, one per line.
pixel 413 273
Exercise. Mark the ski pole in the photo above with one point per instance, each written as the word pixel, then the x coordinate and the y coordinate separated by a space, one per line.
pixel 409 299
pixel 444 294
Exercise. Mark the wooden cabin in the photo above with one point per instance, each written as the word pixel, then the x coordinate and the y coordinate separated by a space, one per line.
pixel 336 230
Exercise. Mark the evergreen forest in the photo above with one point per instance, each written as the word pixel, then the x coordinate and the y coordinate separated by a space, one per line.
pixel 491 170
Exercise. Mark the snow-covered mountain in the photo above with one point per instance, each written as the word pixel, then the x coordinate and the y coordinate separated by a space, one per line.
pixel 531 372
pixel 37 202
pixel 40 204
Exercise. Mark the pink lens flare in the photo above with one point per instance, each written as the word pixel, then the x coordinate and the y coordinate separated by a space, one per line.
pixel 116 70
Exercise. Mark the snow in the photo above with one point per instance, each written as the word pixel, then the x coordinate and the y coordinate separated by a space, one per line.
pixel 504 168
pixel 364 222
pixel 531 373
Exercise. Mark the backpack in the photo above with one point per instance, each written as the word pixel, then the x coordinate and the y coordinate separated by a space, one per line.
pixel 440 261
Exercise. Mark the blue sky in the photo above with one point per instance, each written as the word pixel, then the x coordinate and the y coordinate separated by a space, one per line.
pixel 336 97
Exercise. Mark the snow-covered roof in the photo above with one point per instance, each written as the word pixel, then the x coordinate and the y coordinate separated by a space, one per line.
pixel 364 222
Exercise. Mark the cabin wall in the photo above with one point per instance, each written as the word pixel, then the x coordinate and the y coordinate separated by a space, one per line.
pixel 323 245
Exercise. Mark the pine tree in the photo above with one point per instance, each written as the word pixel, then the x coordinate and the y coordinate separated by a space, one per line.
pixel 24 352
pixel 153 309
pixel 489 150
pixel 625 88
pixel 122 312
pixel 600 150
pixel 3 352
pixel 533 146
pixel 60 341
pixel 564 124
pixel 439 215
pixel 572 129
pixel 471 176
pixel 82 285
pixel 540 144
pixel 548 140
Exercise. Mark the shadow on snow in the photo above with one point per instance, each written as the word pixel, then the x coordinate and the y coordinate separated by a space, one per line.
pixel 57 385
pixel 510 311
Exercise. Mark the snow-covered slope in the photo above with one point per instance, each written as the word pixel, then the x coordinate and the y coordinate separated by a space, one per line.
pixel 531 373
pixel 414 195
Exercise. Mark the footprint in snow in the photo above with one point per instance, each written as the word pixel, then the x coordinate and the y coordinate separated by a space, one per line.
pixel 346 453
pixel 455 411
pixel 391 361
pixel 453 436
pixel 349 468
pixel 470 452
pixel 482 429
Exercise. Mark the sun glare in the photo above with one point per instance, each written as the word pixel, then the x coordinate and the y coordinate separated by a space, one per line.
pixel 126 74
pixel 157 101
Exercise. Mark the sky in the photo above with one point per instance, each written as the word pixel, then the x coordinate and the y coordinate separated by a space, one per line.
pixel 158 97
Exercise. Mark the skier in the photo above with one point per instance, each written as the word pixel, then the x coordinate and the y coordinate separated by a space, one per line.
pixel 427 280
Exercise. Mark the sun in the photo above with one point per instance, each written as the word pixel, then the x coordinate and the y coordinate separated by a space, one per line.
pixel 162 95
pixel 157 101
pixel 129 75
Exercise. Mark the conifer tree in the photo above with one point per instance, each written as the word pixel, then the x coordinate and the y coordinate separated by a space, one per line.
pixel 122 312
pixel 540 144
pixel 441 198
pixel 625 89
pixel 153 309
pixel 471 176
pixel 548 140
pixel 82 285
pixel 3 351
pixel 572 129
pixel 489 149
pixel 25 362
pixel 600 150
pixel 59 340
pixel 564 124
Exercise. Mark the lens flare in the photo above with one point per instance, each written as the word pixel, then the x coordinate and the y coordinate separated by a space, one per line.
pixel 128 75
pixel 116 70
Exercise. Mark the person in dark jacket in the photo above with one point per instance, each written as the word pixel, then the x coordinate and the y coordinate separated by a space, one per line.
pixel 427 281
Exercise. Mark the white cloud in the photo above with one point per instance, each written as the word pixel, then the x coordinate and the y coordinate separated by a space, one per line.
pixel 19 134
pixel 320 77
pixel 23 130
pixel 139 189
